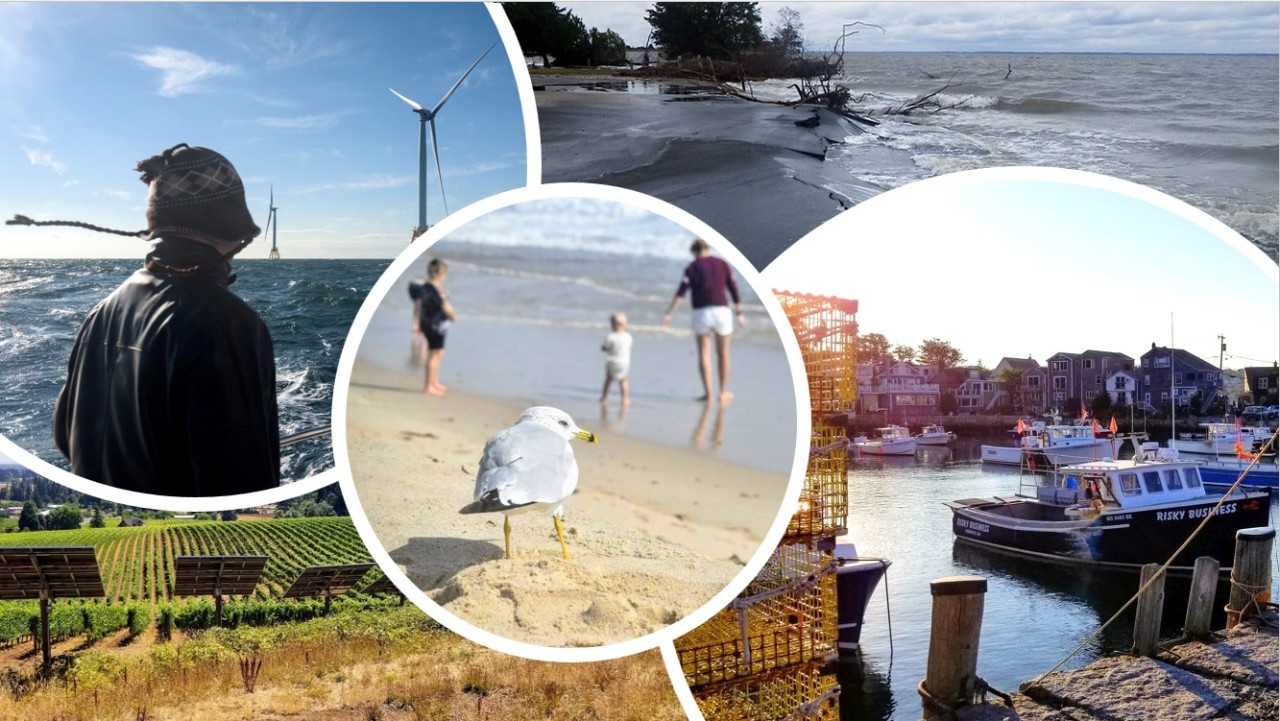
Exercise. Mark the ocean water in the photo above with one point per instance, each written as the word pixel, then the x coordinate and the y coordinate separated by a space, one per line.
pixel 1201 128
pixel 532 316
pixel 1034 613
pixel 307 304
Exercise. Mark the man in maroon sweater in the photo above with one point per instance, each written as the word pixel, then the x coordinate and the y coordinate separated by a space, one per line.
pixel 711 281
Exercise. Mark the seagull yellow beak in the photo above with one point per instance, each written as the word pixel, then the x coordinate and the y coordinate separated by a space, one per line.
pixel 587 436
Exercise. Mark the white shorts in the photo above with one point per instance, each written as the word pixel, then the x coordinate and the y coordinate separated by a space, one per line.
pixel 617 369
pixel 716 319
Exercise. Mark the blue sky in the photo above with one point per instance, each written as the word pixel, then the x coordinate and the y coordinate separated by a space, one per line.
pixel 295 95
pixel 1032 261
pixel 1160 27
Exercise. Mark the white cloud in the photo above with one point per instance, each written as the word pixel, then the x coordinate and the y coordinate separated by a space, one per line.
pixel 115 194
pixel 301 122
pixel 367 182
pixel 181 71
pixel 35 134
pixel 45 159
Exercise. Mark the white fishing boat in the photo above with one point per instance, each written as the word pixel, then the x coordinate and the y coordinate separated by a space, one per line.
pixel 934 435
pixel 1219 439
pixel 1046 445
pixel 887 441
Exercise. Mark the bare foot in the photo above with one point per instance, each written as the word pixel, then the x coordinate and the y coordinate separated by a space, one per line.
pixel 436 390
pixel 726 398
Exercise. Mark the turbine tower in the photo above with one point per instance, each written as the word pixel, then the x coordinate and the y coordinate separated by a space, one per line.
pixel 272 226
pixel 428 117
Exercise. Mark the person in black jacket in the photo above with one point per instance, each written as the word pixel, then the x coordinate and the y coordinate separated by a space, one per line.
pixel 171 384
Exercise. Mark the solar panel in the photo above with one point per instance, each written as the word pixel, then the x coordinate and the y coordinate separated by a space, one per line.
pixel 382 585
pixel 327 580
pixel 59 571
pixel 216 575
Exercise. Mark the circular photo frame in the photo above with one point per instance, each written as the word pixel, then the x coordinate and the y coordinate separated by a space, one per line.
pixel 683 498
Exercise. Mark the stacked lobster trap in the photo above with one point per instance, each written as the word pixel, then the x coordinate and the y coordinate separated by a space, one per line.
pixel 762 657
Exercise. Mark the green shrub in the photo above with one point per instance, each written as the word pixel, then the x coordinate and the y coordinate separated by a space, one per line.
pixel 139 617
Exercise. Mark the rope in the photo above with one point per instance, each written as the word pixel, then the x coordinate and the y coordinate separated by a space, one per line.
pixel 24 220
pixel 1253 591
pixel 1212 512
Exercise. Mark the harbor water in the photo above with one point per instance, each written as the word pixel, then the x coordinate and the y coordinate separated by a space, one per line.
pixel 1035 612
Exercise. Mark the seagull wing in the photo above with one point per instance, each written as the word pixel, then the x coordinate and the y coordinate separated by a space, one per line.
pixel 524 464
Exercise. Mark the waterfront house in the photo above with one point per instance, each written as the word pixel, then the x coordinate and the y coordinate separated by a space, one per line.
pixel 1122 386
pixel 1165 370
pixel 1028 393
pixel 1096 367
pixel 1064 381
pixel 902 391
pixel 979 392
pixel 1261 384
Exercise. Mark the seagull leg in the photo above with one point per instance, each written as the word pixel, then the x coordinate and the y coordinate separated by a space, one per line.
pixel 506 532
pixel 560 533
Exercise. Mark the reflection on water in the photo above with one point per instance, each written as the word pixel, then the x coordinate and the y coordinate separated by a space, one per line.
pixel 1035 612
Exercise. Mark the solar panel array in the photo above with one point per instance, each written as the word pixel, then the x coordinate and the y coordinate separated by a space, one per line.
pixel 327 580
pixel 61 571
pixel 216 575
pixel 382 585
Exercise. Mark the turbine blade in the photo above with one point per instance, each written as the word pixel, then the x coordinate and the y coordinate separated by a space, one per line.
pixel 435 150
pixel 412 104
pixel 449 94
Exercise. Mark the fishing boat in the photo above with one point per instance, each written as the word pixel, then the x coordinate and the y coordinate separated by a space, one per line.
pixel 1043 445
pixel 1219 439
pixel 1225 471
pixel 888 441
pixel 1115 513
pixel 856 581
pixel 934 435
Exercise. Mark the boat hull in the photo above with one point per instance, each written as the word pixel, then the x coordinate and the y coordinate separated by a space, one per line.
pixel 856 581
pixel 1225 473
pixel 931 440
pixel 1095 450
pixel 902 447
pixel 1117 538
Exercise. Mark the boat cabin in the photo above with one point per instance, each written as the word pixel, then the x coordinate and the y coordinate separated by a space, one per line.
pixel 889 433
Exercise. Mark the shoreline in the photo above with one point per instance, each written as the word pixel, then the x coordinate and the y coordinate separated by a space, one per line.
pixel 693 152
pixel 645 520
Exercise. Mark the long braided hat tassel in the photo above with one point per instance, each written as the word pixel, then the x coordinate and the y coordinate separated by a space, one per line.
pixel 24 220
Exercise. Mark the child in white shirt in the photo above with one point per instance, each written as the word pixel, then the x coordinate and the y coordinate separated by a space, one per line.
pixel 617 358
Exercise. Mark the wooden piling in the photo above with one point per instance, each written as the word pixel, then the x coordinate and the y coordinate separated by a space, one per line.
pixel 952 666
pixel 1146 626
pixel 1250 573
pixel 1204 586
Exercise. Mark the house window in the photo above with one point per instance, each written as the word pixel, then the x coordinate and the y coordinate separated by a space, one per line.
pixel 1059 383
pixel 1122 382
pixel 1146 398
pixel 1033 382
pixel 1146 362
pixel 1164 397
pixel 1104 364
pixel 1088 364
pixel 1264 383
pixel 1146 379
pixel 1059 396
pixel 1162 362
pixel 1097 380
pixel 1177 378
pixel 1060 365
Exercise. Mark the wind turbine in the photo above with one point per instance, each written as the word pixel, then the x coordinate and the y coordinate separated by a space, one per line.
pixel 426 117
pixel 272 225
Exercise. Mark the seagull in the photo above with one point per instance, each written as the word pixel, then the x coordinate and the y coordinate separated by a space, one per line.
pixel 529 465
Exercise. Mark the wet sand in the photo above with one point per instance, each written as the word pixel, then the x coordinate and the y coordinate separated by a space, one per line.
pixel 654 531
pixel 719 158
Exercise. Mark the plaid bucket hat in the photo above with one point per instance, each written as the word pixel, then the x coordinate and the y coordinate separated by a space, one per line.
pixel 196 193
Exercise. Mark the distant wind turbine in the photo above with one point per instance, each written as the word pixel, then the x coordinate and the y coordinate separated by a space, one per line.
pixel 426 117
pixel 272 226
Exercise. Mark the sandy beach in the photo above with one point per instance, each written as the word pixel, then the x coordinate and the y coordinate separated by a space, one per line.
pixel 717 157
pixel 654 531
